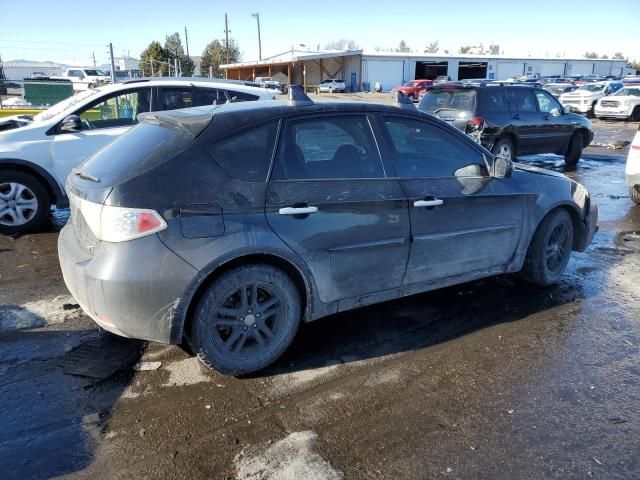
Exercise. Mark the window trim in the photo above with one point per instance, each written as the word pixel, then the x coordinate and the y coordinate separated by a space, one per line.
pixel 390 147
pixel 285 125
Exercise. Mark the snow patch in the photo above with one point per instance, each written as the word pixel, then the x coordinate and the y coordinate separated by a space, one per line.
pixel 289 382
pixel 291 458
pixel 185 372
pixel 38 314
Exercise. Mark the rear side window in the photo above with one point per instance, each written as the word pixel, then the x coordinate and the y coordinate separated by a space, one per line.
pixel 524 100
pixel 174 98
pixel 241 96
pixel 247 155
pixel 494 100
pixel 449 99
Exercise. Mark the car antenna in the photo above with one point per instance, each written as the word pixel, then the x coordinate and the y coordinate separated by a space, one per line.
pixel 297 97
pixel 401 101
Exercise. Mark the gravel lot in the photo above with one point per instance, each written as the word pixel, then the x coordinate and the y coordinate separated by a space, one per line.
pixel 491 379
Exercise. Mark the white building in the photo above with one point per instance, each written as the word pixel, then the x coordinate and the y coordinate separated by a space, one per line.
pixel 361 70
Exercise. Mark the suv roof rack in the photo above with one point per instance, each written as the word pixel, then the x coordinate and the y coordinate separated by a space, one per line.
pixel 297 97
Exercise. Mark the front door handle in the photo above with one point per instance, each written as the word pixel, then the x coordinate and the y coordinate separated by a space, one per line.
pixel 516 116
pixel 297 210
pixel 428 203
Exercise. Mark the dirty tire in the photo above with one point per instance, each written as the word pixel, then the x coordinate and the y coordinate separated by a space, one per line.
pixel 504 147
pixel 635 115
pixel 35 191
pixel 574 150
pixel 634 194
pixel 236 336
pixel 550 249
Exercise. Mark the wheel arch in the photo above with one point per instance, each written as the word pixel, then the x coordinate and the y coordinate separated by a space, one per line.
pixel 300 276
pixel 56 194
pixel 575 214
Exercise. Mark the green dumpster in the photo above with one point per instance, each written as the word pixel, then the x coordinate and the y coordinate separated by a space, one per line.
pixel 47 92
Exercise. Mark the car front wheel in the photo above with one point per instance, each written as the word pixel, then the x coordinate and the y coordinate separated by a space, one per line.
pixel 550 249
pixel 574 151
pixel 24 202
pixel 246 319
pixel 504 148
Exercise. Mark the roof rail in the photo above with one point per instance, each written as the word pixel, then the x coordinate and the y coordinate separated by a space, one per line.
pixel 297 97
pixel 402 101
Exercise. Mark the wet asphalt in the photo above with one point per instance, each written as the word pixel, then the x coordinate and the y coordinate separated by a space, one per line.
pixel 491 379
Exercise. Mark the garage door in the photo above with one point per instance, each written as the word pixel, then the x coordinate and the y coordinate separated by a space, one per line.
pixel 602 68
pixel 387 72
pixel 548 69
pixel 579 68
pixel 508 69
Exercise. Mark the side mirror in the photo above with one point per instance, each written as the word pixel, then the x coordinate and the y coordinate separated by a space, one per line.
pixel 501 167
pixel 72 123
pixel 567 108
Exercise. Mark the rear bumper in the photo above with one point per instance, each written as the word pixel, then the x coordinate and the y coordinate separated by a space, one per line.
pixel 131 288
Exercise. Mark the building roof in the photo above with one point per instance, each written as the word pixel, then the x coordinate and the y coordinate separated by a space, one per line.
pixel 475 56
pixel 292 56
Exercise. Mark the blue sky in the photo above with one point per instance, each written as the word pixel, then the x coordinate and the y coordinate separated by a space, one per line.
pixel 70 31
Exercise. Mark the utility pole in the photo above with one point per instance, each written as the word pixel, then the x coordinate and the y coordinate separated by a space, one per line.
pixel 113 64
pixel 175 62
pixel 257 16
pixel 226 34
pixel 93 54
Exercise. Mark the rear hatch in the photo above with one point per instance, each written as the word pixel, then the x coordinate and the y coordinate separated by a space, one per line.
pixel 451 103
pixel 157 138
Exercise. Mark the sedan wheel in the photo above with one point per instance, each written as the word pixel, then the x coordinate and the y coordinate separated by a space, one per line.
pixel 550 249
pixel 246 319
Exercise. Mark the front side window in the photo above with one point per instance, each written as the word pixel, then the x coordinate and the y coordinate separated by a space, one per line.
pixel 247 155
pixel 328 148
pixel 547 103
pixel 116 111
pixel 425 150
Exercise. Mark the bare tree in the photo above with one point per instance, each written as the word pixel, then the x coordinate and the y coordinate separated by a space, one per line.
pixel 590 55
pixel 464 50
pixel 342 44
pixel 403 47
pixel 618 56
pixel 432 47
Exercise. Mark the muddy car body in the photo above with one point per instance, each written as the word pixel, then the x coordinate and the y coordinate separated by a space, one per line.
pixel 315 207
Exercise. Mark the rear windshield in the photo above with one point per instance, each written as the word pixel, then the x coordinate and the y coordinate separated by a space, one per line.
pixel 448 99
pixel 137 151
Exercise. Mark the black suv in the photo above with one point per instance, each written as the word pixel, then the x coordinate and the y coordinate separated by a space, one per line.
pixel 229 225
pixel 510 120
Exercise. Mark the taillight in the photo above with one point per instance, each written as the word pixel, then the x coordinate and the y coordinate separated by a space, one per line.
pixel 475 124
pixel 119 224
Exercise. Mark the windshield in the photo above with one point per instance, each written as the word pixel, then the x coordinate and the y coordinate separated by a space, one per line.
pixel 436 100
pixel 410 84
pixel 591 88
pixel 631 92
pixel 64 105
pixel 95 73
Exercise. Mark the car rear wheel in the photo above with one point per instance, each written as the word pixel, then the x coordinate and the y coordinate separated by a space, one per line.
pixel 550 249
pixel 504 148
pixel 574 151
pixel 634 194
pixel 24 202
pixel 635 115
pixel 246 319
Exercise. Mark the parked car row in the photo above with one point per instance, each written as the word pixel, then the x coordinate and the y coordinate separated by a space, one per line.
pixel 283 213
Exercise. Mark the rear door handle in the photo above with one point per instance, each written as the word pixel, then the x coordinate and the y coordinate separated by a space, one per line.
pixel 428 203
pixel 297 210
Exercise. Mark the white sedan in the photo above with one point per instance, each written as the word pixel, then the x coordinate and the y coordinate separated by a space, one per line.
pixel 331 85
pixel 38 153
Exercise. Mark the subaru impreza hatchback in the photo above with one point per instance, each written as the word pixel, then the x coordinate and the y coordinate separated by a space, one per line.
pixel 227 226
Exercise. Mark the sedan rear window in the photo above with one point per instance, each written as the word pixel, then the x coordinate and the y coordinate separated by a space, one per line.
pixel 437 100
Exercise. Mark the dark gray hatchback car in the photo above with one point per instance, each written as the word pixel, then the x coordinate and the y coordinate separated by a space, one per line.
pixel 227 226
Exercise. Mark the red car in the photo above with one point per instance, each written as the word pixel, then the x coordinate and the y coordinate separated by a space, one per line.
pixel 413 88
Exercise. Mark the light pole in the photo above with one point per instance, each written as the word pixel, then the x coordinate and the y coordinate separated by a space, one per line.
pixel 257 16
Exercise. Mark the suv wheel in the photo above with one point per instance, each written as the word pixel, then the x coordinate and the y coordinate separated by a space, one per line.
pixel 246 319
pixel 550 249
pixel 574 151
pixel 634 194
pixel 504 148
pixel 24 202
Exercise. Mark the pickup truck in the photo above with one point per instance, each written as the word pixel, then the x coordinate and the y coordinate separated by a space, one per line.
pixel 85 78
pixel 585 97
